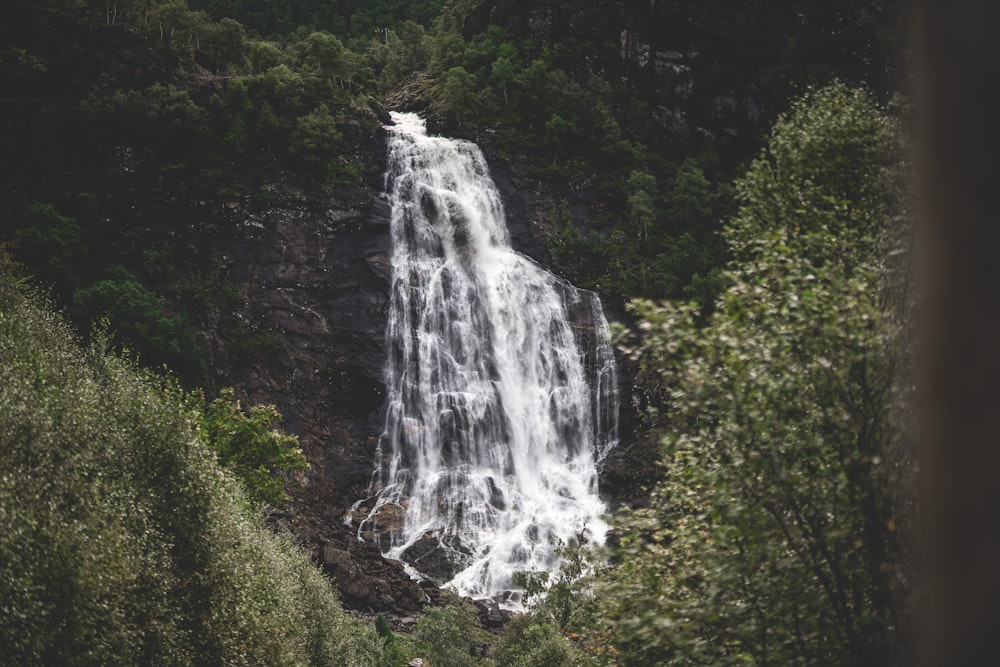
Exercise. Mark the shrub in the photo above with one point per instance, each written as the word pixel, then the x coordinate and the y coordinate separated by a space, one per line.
pixel 121 539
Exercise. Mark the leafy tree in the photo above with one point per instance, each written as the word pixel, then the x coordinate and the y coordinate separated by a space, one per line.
pixel 414 42
pixel 530 642
pixel 227 44
pixel 532 82
pixel 642 204
pixel 170 19
pixel 449 635
pixel 559 133
pixel 141 323
pixel 316 136
pixel 776 536
pixel 247 442
pixel 506 67
pixel 51 244
pixel 263 56
pixel 457 92
pixel 283 87
pixel 326 54
pixel 692 200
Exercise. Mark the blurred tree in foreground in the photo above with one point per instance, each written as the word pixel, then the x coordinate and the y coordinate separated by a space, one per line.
pixel 777 535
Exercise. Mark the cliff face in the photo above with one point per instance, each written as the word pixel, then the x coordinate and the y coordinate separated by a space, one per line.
pixel 311 269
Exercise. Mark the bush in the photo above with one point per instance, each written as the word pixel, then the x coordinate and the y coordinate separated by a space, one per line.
pixel 249 445
pixel 141 323
pixel 121 539
pixel 450 635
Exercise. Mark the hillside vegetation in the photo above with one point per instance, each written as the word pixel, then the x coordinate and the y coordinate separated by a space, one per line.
pixel 123 541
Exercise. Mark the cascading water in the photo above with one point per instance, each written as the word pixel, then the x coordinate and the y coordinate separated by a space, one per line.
pixel 501 378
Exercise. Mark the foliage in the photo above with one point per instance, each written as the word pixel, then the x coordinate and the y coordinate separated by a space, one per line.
pixel 51 244
pixel 140 322
pixel 349 18
pixel 122 541
pixel 227 44
pixel 389 649
pixel 247 443
pixel 564 599
pixel 457 92
pixel 128 114
pixel 450 635
pixel 316 137
pixel 263 56
pixel 775 536
pixel 531 642
pixel 562 626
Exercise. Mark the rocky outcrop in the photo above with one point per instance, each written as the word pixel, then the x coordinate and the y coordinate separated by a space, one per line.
pixel 366 581
pixel 311 267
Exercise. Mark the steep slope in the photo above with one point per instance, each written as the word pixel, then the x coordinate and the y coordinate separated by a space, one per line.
pixel 122 540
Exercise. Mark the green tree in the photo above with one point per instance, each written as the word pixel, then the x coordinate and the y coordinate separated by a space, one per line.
pixel 415 45
pixel 316 137
pixel 51 245
pixel 457 92
pixel 692 200
pixel 247 443
pixel 325 54
pixel 227 44
pixel 140 322
pixel 642 202
pixel 560 134
pixel 505 68
pixel 283 87
pixel 776 536
pixel 263 56
pixel 448 635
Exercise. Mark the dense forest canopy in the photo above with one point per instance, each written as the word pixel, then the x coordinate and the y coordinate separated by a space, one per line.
pixel 345 19
pixel 736 171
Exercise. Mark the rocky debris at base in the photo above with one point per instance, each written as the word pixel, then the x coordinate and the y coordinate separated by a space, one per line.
pixel 492 617
pixel 369 583
pixel 365 579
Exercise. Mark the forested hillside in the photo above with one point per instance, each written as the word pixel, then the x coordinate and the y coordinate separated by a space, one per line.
pixel 194 220
pixel 123 541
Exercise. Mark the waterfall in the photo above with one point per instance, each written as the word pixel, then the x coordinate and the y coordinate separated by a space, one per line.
pixel 501 379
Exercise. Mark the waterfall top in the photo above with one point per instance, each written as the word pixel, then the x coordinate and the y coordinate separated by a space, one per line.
pixel 407 122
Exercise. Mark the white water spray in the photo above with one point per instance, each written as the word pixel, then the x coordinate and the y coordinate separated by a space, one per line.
pixel 501 380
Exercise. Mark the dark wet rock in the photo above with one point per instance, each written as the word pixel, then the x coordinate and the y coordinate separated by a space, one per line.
pixel 440 559
pixel 366 580
pixel 491 615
